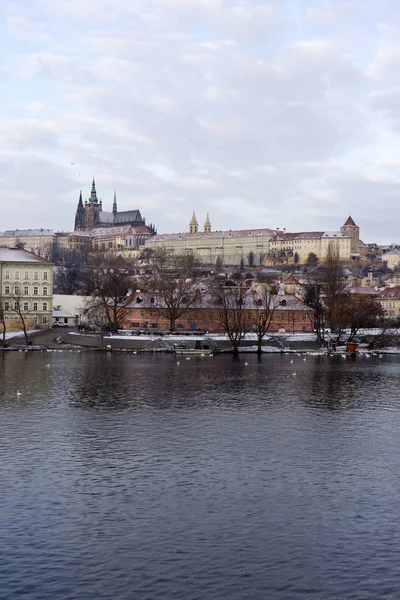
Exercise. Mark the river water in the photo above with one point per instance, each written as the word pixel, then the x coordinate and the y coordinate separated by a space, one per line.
pixel 135 477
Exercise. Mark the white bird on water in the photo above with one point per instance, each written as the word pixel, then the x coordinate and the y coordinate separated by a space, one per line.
pixel 294 374
pixel 246 364
pixel 177 362
pixel 291 361
pixel 19 393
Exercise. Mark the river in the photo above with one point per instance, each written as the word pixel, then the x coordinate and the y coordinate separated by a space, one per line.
pixel 134 477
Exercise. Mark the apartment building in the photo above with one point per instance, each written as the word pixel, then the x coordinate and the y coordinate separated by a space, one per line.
pixel 26 282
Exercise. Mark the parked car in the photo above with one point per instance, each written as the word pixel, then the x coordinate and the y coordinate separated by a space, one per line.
pixel 60 324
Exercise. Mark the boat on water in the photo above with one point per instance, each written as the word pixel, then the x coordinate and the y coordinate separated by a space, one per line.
pixel 199 349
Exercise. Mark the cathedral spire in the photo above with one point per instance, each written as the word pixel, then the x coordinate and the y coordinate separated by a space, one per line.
pixel 80 203
pixel 207 224
pixel 193 225
pixel 93 194
pixel 115 210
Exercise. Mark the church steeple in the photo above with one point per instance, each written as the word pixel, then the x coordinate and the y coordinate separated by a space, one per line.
pixel 193 225
pixel 80 215
pixel 93 195
pixel 115 210
pixel 207 225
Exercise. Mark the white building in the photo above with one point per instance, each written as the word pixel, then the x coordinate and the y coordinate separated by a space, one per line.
pixel 26 286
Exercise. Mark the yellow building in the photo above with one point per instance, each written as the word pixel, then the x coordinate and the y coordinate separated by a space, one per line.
pixel 392 258
pixel 122 238
pixel 227 247
pixel 26 283
pixel 38 241
pixel 288 245
pixel 390 301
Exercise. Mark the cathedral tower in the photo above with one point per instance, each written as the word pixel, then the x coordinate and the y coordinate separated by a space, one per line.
pixel 207 225
pixel 80 215
pixel 193 225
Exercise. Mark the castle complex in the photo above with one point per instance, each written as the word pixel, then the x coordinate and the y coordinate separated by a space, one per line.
pixel 90 215
pixel 266 246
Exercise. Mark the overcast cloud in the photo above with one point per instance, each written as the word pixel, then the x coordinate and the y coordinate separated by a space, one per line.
pixel 264 114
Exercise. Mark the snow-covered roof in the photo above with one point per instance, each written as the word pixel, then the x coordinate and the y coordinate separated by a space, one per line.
pixel 62 313
pixel 26 232
pixel 19 255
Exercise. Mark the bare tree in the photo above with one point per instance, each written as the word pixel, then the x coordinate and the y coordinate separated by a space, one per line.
pixel 275 257
pixel 312 259
pixel 334 287
pixel 108 290
pixel 3 322
pixel 231 299
pixel 17 306
pixel 361 312
pixel 311 295
pixel 264 304
pixel 173 280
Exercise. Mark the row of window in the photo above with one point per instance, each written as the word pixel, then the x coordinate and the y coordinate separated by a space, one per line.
pixel 17 290
pixel 146 325
pixel 25 306
pixel 17 275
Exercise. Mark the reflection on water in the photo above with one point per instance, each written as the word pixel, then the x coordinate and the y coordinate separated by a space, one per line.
pixel 132 476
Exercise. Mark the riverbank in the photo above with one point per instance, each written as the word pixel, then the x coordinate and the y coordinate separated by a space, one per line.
pixel 274 343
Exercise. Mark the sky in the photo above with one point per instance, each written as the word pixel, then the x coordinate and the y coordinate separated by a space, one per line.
pixel 262 113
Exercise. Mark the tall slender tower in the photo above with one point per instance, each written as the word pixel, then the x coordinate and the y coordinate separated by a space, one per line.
pixel 115 210
pixel 353 231
pixel 93 195
pixel 193 225
pixel 80 215
pixel 207 225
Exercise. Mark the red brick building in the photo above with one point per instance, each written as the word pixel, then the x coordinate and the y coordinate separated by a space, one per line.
pixel 142 312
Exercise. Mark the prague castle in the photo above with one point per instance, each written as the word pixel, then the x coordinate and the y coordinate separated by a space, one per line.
pixel 234 246
pixel 90 215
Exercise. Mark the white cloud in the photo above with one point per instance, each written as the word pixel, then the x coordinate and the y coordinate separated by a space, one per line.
pixel 236 108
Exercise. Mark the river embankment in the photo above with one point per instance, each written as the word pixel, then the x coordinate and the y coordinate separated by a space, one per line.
pixel 129 342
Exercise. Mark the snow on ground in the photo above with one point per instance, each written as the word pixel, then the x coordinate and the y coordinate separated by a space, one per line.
pixel 301 337
pixel 14 334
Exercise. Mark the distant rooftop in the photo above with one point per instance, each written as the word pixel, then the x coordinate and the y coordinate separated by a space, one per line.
pixel 26 232
pixel 214 234
pixel 350 222
pixel 19 255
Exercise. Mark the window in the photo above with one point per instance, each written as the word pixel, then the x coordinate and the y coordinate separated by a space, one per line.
pixel 16 274
pixel 16 307
pixel 304 316
pixel 304 328
pixel 35 306
pixel 26 306
pixel 44 320
pixel 6 306
pixel 16 290
pixel 26 290
pixel 26 274
pixel 6 289
pixel 283 315
pixel 45 291
pixel 36 275
pixel 45 276
pixel 44 305
pixel 35 290
pixel 7 276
